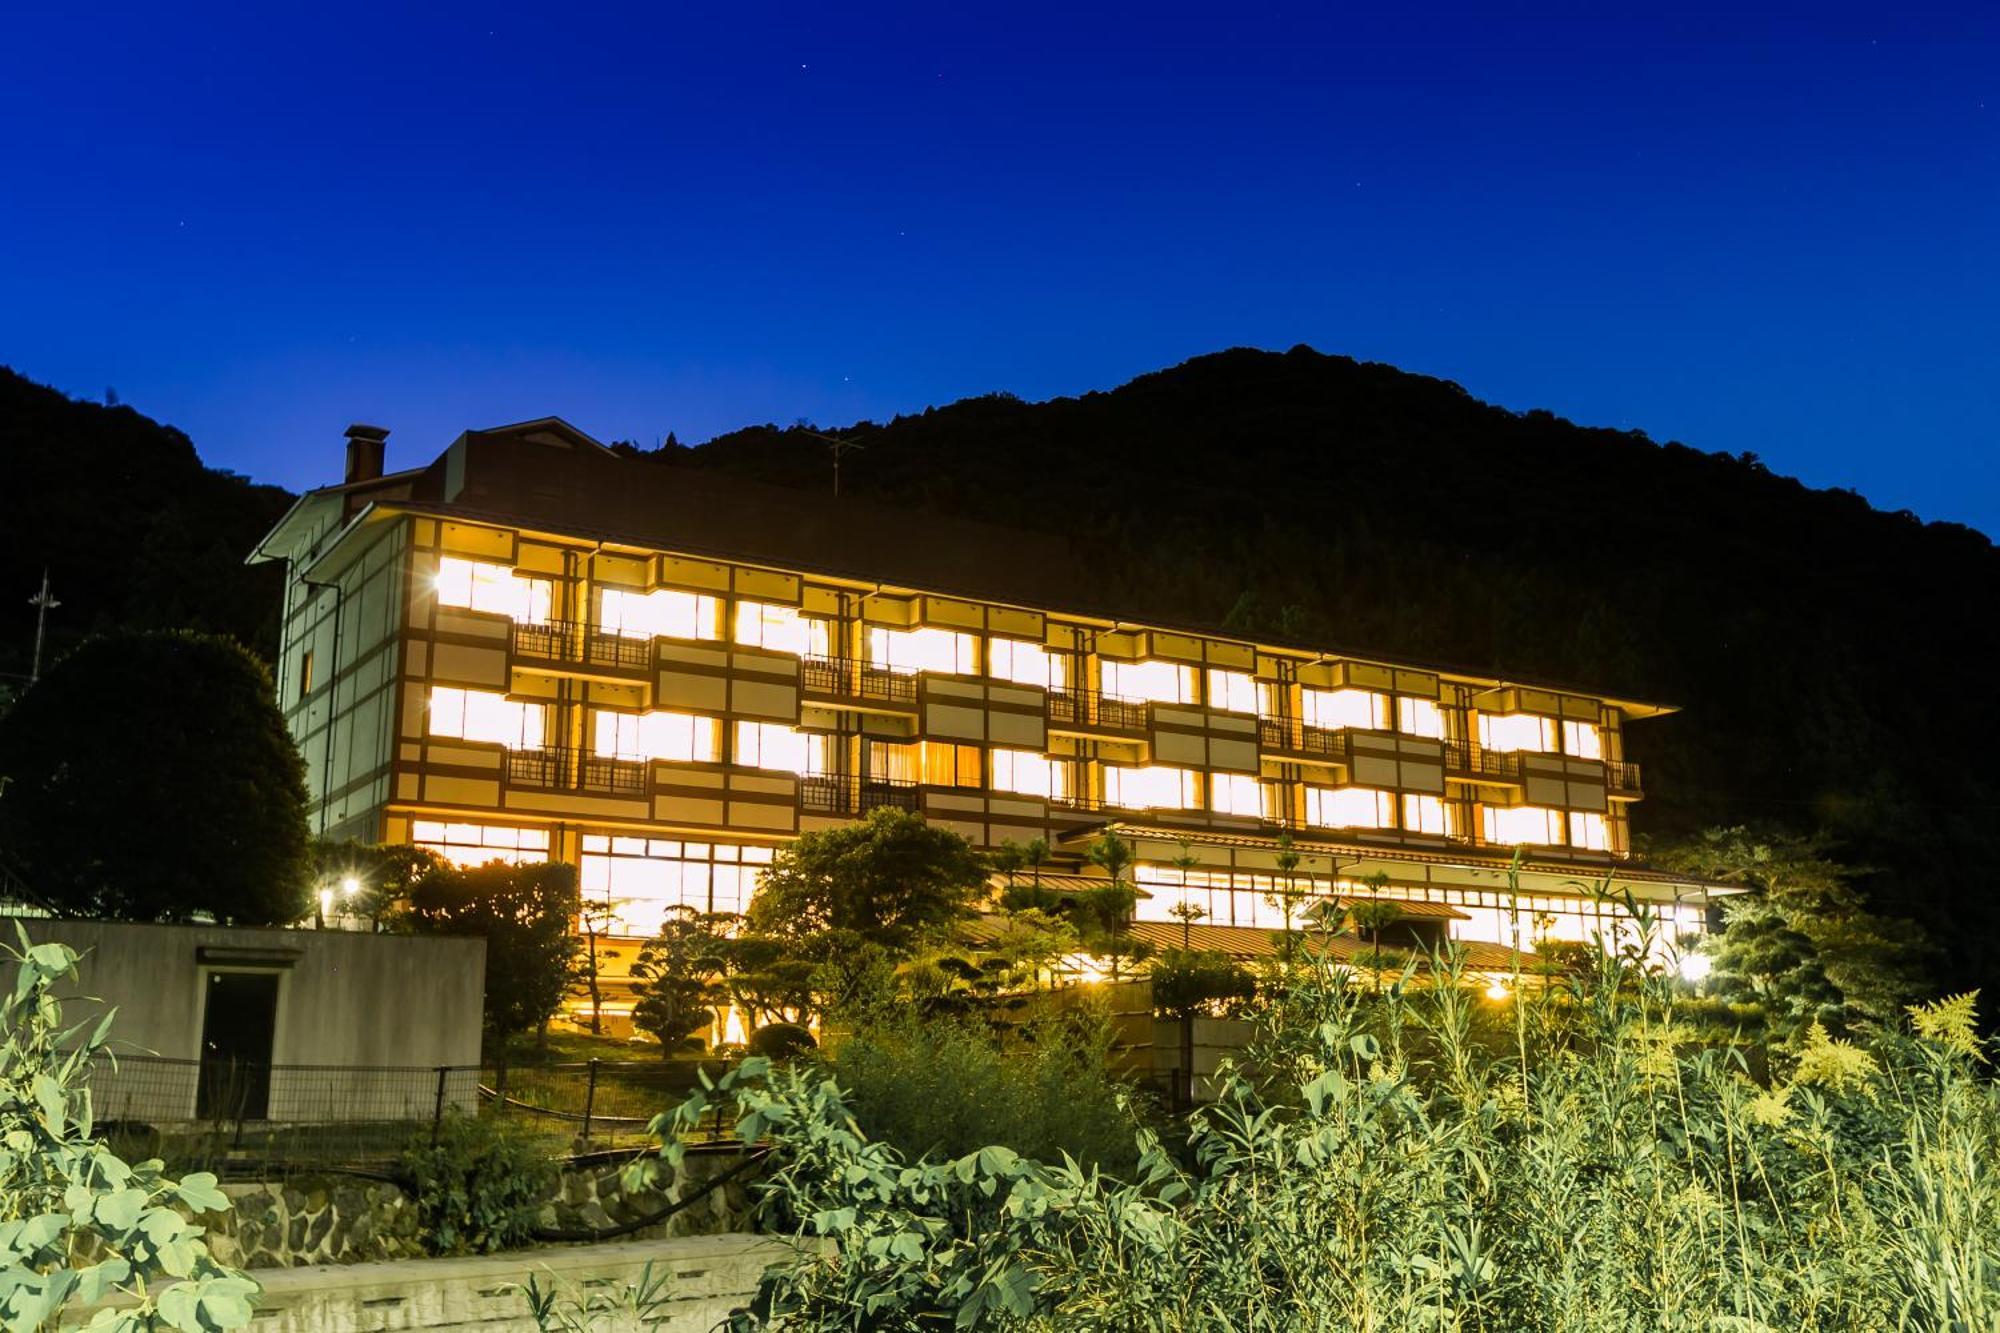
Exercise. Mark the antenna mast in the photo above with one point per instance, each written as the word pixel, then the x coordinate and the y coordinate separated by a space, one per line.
pixel 43 603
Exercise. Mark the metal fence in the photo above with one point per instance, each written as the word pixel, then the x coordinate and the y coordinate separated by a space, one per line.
pixel 249 1119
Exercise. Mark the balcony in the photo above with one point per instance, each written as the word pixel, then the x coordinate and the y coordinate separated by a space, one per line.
pixel 1286 736
pixel 577 647
pixel 1622 779
pixel 1467 762
pixel 849 794
pixel 851 678
pixel 1090 711
pixel 563 769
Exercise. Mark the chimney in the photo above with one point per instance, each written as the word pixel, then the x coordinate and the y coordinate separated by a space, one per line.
pixel 364 452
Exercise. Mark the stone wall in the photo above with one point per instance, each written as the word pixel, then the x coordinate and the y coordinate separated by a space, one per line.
pixel 592 1196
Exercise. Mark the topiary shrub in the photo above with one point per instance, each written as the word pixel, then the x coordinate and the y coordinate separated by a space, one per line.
pixel 478 1188
pixel 781 1041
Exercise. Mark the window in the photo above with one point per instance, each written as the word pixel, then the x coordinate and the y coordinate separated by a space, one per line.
pixel 475 585
pixel 1026 663
pixel 949 765
pixel 1029 774
pixel 481 715
pixel 1424 814
pixel 1157 682
pixel 476 844
pixel 1271 698
pixel 892 763
pixel 661 613
pixel 1150 788
pixel 908 651
pixel 1232 691
pixel 1331 710
pixel 640 878
pixel 1513 825
pixel 680 737
pixel 779 628
pixel 1504 732
pixel 1588 830
pixel 1236 794
pixel 1419 717
pixel 777 746
pixel 1583 740
pixel 1350 807
pixel 305 673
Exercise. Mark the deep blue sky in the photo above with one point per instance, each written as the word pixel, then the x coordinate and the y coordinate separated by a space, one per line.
pixel 1772 231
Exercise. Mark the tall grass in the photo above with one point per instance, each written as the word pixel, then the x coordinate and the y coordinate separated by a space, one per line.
pixel 1575 1158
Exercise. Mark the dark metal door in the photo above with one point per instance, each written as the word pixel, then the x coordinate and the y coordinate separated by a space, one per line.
pixel 239 1023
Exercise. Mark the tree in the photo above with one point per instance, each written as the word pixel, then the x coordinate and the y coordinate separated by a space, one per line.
pixel 1188 983
pixel 368 881
pixel 888 880
pixel 526 914
pixel 678 975
pixel 1103 916
pixel 1763 968
pixel 149 777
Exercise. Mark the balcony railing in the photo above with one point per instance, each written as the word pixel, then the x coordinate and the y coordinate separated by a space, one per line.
pixel 562 769
pixel 1464 759
pixel 851 678
pixel 1276 733
pixel 1104 712
pixel 850 794
pixel 1622 777
pixel 574 644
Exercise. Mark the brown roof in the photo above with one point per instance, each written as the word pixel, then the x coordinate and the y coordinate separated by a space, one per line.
pixel 1431 911
pixel 1249 942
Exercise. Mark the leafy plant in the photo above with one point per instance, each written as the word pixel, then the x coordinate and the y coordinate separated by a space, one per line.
pixel 524 913
pixel 557 1306
pixel 677 977
pixel 78 1224
pixel 478 1187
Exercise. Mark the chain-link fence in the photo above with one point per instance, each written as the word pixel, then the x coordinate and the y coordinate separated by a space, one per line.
pixel 252 1119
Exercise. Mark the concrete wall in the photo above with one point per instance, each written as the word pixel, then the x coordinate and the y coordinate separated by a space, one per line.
pixel 344 999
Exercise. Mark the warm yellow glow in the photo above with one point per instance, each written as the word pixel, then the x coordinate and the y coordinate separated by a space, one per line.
pixel 1026 773
pixel 1026 663
pixel 1589 830
pixel 1583 740
pixel 777 746
pixel 1331 710
pixel 1425 814
pixel 1156 682
pixel 893 763
pixel 675 737
pixel 732 1028
pixel 1350 807
pixel 482 715
pixel 661 613
pixel 1518 825
pixel 1496 991
pixel 477 585
pixel 1419 717
pixel 325 903
pixel 909 651
pixel 350 885
pixel 476 844
pixel 1695 967
pixel 1232 691
pixel 640 878
pixel 1153 787
pixel 1505 733
pixel 1087 968
pixel 779 628
pixel 1237 794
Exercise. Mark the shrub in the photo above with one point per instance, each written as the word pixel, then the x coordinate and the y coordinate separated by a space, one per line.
pixel 1188 983
pixel 478 1188
pixel 781 1041
pixel 78 1223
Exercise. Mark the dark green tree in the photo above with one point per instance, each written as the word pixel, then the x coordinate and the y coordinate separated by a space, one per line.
pixel 889 881
pixel 679 976
pixel 527 916
pixel 149 777
pixel 1770 974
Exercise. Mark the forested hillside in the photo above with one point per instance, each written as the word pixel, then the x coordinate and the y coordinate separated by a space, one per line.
pixel 1832 662
pixel 134 531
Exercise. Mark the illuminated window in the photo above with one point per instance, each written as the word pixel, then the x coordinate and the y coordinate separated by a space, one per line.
pixel 1157 682
pixel 1270 698
pixel 779 628
pixel 776 746
pixel 1232 691
pixel 1029 774
pixel 1331 710
pixel 1503 732
pixel 1026 663
pixel 1424 814
pixel 1419 717
pixel 1151 788
pixel 892 763
pixel 640 878
pixel 679 737
pixel 1236 794
pixel 1583 740
pixel 661 613
pixel 481 715
pixel 476 844
pixel 1350 807
pixel 475 585
pixel 908 651
pixel 1589 831
pixel 949 765
pixel 1513 825
pixel 305 673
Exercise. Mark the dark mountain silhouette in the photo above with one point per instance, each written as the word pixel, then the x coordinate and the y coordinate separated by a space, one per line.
pixel 134 531
pixel 1832 661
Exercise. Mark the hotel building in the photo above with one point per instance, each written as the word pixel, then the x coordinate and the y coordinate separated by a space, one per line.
pixel 536 647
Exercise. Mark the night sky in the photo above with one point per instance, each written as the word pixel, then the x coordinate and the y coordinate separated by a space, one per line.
pixel 1771 231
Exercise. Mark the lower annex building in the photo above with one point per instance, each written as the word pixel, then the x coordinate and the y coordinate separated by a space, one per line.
pixel 535 647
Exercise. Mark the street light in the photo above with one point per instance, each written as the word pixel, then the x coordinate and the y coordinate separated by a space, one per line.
pixel 1695 967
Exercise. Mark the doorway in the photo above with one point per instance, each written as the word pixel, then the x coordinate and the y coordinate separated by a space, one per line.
pixel 239 1025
